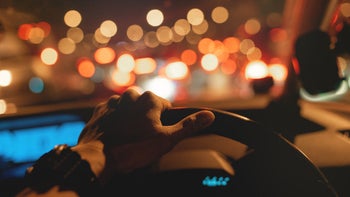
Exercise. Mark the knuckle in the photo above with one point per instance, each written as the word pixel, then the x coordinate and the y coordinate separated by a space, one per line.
pixel 113 101
pixel 129 96
pixel 148 97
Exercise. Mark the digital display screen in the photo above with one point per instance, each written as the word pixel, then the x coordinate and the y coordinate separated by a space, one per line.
pixel 216 181
pixel 23 140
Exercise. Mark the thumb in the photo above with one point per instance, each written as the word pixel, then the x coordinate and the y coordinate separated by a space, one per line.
pixel 191 124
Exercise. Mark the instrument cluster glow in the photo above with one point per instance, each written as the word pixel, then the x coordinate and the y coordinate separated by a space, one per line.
pixel 215 181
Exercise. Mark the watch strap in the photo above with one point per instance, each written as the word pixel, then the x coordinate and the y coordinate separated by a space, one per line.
pixel 64 167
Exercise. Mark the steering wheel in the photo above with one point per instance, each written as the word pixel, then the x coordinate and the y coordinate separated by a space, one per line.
pixel 272 166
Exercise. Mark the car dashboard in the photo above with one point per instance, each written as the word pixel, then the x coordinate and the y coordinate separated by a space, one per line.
pixel 26 136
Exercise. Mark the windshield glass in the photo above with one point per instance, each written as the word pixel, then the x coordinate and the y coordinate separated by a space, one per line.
pixel 54 51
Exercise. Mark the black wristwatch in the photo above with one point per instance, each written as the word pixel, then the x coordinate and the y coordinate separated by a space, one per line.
pixel 64 167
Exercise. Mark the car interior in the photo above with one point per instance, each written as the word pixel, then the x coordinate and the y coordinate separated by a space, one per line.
pixel 274 72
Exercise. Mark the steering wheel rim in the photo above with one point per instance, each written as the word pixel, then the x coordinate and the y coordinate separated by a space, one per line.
pixel 295 173
pixel 275 168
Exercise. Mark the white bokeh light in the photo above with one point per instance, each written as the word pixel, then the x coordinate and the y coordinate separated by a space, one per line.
pixel 162 87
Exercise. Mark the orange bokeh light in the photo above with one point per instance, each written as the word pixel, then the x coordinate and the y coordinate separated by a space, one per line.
pixel 232 44
pixel 189 57
pixel 24 30
pixel 206 45
pixel 220 51
pixel 229 66
pixel 86 68
pixel 46 27
pixel 104 55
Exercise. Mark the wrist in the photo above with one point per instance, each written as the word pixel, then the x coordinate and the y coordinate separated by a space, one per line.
pixel 65 168
pixel 93 153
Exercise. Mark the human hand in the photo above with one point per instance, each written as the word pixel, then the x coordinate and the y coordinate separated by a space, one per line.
pixel 126 133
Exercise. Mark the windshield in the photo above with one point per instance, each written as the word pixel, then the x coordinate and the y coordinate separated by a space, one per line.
pixel 55 51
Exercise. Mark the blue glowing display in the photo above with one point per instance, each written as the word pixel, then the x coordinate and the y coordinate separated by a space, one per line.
pixel 25 140
pixel 215 181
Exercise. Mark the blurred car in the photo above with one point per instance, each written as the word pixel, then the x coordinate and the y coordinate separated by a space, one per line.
pixel 282 65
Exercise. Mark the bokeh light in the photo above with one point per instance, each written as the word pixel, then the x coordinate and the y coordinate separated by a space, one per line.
pixel 126 63
pixel 220 51
pixel 162 87
pixel 164 34
pixel 145 65
pixel 219 14
pixel 36 35
pixel 104 55
pixel 72 18
pixel 254 53
pixel 151 39
pixel 66 46
pixel 45 26
pixel 252 26
pixel 176 70
pixel 5 78
pixel 76 34
pixel 121 78
pixel 36 85
pixel 245 45
pixel 209 62
pixel 155 17
pixel 49 56
pixel 3 106
pixel 159 45
pixel 24 30
pixel 232 44
pixel 256 70
pixel 189 57
pixel 177 38
pixel 134 32
pixel 206 45
pixel 228 67
pixel 278 72
pixel 200 29
pixel 86 68
pixel 182 27
pixel 195 16
pixel 108 28
pixel 100 38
